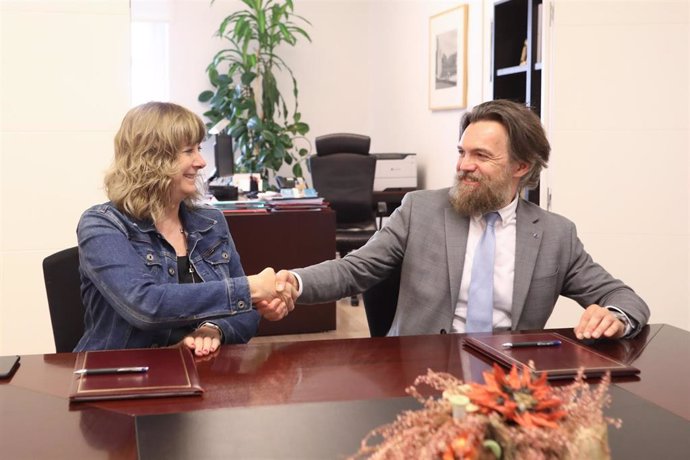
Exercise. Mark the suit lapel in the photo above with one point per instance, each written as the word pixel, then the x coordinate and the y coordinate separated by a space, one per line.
pixel 457 229
pixel 529 232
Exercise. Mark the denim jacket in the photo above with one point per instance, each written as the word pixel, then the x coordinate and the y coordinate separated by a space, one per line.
pixel 129 280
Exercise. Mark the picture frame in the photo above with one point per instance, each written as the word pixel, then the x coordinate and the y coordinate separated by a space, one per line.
pixel 448 59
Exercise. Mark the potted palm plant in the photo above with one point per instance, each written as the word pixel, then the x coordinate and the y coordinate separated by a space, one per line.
pixel 246 101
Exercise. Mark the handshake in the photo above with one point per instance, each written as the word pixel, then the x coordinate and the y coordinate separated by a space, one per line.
pixel 273 294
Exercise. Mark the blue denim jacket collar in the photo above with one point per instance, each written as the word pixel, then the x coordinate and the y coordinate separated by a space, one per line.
pixel 195 225
pixel 193 222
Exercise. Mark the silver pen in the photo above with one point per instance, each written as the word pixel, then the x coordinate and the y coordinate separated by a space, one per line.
pixel 541 343
pixel 113 370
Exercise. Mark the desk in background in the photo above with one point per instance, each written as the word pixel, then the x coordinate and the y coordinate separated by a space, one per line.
pixel 387 201
pixel 358 377
pixel 287 239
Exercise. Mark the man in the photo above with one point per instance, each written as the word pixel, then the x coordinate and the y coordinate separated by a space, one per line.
pixel 527 255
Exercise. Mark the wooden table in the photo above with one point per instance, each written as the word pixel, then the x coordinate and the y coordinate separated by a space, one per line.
pixel 287 239
pixel 257 380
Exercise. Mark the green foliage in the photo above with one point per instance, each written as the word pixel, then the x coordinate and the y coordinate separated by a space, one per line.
pixel 262 130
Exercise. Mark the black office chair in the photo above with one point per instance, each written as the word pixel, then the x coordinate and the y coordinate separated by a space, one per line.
pixel 380 304
pixel 61 276
pixel 343 174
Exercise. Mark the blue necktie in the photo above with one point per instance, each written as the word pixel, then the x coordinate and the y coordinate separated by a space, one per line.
pixel 480 301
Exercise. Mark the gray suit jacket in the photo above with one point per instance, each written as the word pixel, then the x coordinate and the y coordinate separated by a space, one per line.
pixel 428 238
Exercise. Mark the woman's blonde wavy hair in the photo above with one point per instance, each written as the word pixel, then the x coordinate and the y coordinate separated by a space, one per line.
pixel 146 150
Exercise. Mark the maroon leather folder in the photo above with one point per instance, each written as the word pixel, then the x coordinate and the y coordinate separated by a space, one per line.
pixel 559 362
pixel 171 372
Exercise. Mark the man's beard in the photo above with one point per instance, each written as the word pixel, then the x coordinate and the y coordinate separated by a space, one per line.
pixel 486 196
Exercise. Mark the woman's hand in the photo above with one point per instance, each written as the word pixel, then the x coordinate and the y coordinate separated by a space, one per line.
pixel 273 297
pixel 262 286
pixel 204 341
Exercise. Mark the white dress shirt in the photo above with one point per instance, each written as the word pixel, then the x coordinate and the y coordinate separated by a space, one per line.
pixel 504 267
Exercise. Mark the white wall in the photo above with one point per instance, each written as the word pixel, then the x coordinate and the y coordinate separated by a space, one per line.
pixel 618 122
pixel 366 71
pixel 64 70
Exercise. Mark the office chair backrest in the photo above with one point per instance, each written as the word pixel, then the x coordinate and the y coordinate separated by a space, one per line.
pixel 343 174
pixel 63 288
pixel 380 304
pixel 342 143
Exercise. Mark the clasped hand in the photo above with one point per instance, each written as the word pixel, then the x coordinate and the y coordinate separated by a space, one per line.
pixel 273 294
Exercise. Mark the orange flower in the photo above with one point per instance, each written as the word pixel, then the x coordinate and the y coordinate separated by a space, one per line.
pixel 519 398
pixel 460 447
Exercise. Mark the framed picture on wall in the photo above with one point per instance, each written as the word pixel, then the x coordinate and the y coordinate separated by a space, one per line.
pixel 448 59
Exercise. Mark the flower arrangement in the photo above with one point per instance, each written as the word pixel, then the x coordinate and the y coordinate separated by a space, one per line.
pixel 510 416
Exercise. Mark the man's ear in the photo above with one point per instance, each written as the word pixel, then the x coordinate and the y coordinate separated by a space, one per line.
pixel 520 169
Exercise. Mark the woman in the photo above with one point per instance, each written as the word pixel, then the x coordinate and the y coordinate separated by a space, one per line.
pixel 156 268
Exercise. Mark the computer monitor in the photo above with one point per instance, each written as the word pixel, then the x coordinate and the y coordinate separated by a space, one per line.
pixel 222 150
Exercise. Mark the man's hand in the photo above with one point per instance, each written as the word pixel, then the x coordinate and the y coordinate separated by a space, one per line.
pixel 286 283
pixel 273 295
pixel 203 341
pixel 599 322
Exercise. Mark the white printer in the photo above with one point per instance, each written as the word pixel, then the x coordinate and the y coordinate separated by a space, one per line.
pixel 395 171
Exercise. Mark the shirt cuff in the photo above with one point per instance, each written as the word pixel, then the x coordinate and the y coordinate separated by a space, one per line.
pixel 299 282
pixel 629 323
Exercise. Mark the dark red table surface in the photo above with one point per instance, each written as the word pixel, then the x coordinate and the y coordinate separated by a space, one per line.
pixel 37 417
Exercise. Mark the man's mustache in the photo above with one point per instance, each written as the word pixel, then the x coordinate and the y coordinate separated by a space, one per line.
pixel 464 175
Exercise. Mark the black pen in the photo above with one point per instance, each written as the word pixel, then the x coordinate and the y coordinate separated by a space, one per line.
pixel 113 370
pixel 543 343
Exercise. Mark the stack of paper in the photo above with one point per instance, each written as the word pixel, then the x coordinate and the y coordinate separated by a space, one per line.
pixel 241 207
pixel 294 204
